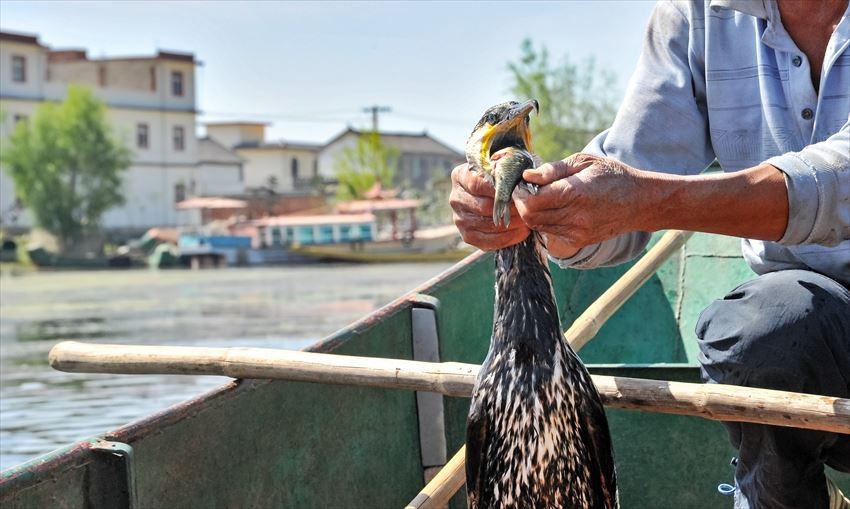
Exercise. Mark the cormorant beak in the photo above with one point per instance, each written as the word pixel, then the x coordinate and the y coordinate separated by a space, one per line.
pixel 512 129
pixel 524 109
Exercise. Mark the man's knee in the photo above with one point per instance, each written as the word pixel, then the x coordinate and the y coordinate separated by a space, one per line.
pixel 780 331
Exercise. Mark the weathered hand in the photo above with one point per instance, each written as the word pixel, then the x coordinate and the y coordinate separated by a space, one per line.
pixel 582 200
pixel 472 206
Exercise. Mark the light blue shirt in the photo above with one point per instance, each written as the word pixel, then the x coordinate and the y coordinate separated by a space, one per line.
pixel 723 79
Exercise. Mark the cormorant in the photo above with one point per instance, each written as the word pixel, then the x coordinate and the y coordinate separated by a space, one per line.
pixel 537 435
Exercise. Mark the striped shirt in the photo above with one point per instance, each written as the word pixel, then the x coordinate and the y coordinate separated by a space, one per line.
pixel 722 79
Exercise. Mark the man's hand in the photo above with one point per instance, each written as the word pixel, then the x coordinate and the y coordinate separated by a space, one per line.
pixel 582 200
pixel 472 206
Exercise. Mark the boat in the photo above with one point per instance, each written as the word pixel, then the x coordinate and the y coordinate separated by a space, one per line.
pixel 44 259
pixel 442 243
pixel 353 237
pixel 262 443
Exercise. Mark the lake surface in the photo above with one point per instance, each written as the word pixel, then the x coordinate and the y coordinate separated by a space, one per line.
pixel 42 409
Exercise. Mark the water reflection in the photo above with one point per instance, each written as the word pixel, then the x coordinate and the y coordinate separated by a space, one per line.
pixel 41 409
pixel 89 327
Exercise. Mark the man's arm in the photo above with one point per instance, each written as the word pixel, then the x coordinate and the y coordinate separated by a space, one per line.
pixel 662 127
pixel 587 199
pixel 797 198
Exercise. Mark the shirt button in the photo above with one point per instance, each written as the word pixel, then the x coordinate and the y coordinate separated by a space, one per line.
pixel 797 61
pixel 807 114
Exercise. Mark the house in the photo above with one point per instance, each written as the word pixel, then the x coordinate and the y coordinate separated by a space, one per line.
pixel 293 168
pixel 282 167
pixel 421 156
pixel 150 102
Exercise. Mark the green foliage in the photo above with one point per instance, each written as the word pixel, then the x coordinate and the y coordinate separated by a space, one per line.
pixel 436 210
pixel 576 101
pixel 66 164
pixel 358 168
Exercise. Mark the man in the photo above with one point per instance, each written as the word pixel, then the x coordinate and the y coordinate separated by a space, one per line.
pixel 763 86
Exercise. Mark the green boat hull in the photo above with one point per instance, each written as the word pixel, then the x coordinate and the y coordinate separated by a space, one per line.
pixel 286 444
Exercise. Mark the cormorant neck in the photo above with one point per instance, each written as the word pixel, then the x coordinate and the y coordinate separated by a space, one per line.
pixel 526 316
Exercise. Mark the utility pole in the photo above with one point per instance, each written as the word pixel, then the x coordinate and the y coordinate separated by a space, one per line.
pixel 374 110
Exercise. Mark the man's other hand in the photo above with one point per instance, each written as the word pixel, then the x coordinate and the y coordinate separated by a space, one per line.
pixel 472 206
pixel 582 200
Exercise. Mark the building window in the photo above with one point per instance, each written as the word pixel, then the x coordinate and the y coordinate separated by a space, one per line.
pixel 326 234
pixel 315 168
pixel 305 235
pixel 294 170
pixel 101 75
pixel 19 69
pixel 177 83
pixel 179 192
pixel 153 78
pixel 416 171
pixel 142 135
pixel 179 138
pixel 276 237
pixel 365 232
pixel 344 232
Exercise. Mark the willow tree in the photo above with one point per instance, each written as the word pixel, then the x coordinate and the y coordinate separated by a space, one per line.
pixel 66 164
pixel 360 167
pixel 576 101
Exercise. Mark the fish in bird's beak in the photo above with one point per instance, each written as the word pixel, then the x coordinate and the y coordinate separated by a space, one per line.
pixel 500 148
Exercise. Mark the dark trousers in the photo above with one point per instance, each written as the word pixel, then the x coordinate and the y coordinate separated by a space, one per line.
pixel 786 330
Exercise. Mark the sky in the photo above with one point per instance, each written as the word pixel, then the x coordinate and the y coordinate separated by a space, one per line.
pixel 309 68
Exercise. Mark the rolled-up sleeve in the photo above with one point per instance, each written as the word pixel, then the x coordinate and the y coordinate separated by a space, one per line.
pixel 662 124
pixel 818 180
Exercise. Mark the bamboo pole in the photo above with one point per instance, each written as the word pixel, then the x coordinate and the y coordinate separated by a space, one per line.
pixel 712 401
pixel 585 327
pixel 445 484
pixel 449 378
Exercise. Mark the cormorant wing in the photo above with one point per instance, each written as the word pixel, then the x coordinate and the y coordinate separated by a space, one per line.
pixel 594 425
pixel 477 435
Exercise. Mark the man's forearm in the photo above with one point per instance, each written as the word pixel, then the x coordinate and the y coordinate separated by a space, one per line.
pixel 751 203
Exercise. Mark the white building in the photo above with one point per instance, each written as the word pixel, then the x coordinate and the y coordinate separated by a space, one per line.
pixel 286 168
pixel 151 104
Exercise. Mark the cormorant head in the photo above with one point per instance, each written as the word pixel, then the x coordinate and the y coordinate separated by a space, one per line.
pixel 502 126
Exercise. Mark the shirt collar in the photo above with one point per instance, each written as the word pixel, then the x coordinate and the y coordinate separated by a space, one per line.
pixel 755 8
pixel 774 34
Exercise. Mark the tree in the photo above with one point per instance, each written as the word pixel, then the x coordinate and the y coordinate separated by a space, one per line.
pixel 358 168
pixel 66 164
pixel 576 101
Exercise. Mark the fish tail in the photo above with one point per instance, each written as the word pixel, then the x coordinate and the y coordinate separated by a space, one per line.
pixel 501 212
pixel 502 203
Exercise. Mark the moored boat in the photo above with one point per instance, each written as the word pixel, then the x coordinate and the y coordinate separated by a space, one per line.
pixel 44 259
pixel 442 243
pixel 255 443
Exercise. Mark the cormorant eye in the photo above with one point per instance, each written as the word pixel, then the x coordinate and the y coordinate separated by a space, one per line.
pixel 492 119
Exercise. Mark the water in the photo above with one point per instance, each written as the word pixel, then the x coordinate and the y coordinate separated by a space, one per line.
pixel 42 409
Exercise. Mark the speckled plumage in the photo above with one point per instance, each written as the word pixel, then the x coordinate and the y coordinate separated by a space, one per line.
pixel 537 435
